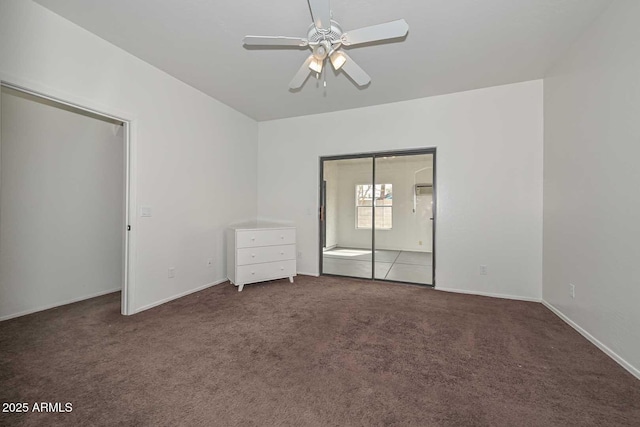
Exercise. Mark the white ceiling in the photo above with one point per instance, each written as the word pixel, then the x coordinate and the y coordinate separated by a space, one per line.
pixel 452 45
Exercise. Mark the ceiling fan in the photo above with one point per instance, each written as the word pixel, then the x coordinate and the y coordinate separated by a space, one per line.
pixel 325 38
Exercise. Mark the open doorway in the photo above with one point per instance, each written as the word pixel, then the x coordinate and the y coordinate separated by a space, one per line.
pixel 63 203
pixel 377 216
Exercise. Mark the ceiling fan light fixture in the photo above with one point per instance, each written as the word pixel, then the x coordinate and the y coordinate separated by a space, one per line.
pixel 316 65
pixel 337 60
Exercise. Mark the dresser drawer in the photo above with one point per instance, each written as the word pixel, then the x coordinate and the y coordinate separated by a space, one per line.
pixel 256 238
pixel 265 254
pixel 266 271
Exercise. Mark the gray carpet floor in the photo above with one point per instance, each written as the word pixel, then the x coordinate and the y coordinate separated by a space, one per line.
pixel 323 351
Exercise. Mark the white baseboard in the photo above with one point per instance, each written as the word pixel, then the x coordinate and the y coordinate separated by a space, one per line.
pixel 302 273
pixel 488 294
pixel 180 295
pixel 59 304
pixel 612 354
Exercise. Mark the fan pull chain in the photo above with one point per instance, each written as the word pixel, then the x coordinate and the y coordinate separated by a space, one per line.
pixel 324 78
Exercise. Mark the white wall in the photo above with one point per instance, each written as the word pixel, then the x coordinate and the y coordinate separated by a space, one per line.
pixel 408 228
pixel 591 178
pixel 489 178
pixel 195 157
pixel 61 205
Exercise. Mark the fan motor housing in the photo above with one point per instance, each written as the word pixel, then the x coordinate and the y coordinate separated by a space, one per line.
pixel 332 35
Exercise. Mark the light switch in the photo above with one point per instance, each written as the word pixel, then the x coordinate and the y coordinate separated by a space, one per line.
pixel 145 212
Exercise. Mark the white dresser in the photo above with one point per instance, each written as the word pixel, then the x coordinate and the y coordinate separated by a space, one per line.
pixel 260 251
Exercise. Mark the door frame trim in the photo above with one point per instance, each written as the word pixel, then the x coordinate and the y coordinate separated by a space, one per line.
pixel 373 156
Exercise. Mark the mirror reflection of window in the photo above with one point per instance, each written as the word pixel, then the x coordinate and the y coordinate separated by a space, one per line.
pixel 382 194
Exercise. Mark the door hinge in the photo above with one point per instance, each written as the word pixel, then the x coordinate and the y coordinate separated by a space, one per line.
pixel 128 228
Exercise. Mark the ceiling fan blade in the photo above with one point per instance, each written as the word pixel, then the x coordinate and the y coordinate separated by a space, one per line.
pixel 354 71
pixel 302 74
pixel 388 30
pixel 274 41
pixel 321 14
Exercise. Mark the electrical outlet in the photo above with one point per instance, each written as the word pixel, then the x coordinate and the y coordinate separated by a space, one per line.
pixel 483 270
pixel 172 272
pixel 572 290
pixel 210 262
pixel 420 242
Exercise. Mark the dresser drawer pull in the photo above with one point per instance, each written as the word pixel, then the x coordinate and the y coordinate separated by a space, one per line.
pixel 253 273
pixel 281 268
pixel 253 255
pixel 253 239
pixel 282 237
pixel 281 253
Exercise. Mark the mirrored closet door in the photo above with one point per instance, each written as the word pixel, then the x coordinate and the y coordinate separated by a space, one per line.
pixel 403 218
pixel 377 216
pixel 346 215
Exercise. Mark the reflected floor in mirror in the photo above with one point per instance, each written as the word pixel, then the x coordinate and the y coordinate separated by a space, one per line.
pixel 400 266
